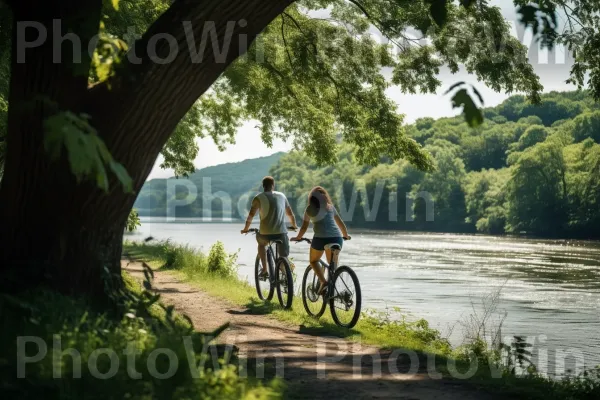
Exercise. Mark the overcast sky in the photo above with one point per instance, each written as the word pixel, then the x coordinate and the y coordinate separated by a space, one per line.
pixel 553 69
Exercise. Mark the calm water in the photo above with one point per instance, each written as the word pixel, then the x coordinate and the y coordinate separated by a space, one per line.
pixel 549 289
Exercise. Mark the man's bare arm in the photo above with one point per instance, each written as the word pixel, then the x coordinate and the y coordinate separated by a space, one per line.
pixel 291 216
pixel 255 206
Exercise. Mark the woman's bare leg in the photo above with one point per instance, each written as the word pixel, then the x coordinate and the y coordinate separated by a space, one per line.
pixel 328 255
pixel 315 256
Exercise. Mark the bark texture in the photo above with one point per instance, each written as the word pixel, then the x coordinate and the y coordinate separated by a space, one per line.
pixel 65 233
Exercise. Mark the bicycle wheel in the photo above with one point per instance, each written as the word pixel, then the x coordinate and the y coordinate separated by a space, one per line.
pixel 346 300
pixel 313 303
pixel 285 283
pixel 263 285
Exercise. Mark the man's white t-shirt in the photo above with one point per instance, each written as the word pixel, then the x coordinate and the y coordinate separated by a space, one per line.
pixel 272 212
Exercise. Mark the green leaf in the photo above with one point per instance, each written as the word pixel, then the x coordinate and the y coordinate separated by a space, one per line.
pixel 467 3
pixel 86 152
pixel 479 96
pixel 54 138
pixel 102 178
pixel 472 113
pixel 115 4
pixel 451 88
pixel 438 11
pixel 541 18
pixel 122 175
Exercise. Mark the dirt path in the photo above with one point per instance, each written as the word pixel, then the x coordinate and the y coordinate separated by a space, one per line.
pixel 313 366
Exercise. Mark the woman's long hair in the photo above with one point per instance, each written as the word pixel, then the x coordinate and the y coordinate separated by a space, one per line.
pixel 319 198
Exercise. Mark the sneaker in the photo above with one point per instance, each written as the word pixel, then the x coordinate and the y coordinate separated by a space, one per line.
pixel 322 290
pixel 263 276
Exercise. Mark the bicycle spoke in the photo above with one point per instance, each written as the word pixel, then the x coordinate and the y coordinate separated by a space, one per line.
pixel 346 301
pixel 314 304
pixel 284 283
pixel 264 288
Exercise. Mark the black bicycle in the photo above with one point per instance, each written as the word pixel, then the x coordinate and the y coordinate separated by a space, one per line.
pixel 342 292
pixel 280 275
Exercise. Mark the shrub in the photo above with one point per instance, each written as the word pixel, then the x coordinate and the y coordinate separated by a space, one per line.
pixel 186 259
pixel 221 263
pixel 167 351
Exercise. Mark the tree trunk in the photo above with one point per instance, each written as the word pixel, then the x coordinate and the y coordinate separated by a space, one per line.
pixel 53 229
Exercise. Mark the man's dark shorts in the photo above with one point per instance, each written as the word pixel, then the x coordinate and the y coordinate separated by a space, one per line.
pixel 283 249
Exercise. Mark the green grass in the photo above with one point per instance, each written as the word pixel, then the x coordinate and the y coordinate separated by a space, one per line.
pixel 373 328
pixel 138 322
pixel 216 274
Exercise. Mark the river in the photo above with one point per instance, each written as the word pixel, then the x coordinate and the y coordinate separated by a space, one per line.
pixel 549 290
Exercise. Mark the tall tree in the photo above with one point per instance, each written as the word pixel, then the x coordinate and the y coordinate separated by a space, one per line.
pixel 62 215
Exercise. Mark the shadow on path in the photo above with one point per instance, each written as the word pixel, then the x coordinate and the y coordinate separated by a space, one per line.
pixel 312 363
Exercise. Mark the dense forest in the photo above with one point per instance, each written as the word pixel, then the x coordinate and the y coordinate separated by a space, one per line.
pixel 527 169
pixel 231 180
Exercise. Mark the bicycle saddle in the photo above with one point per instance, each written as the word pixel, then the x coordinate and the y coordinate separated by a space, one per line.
pixel 332 246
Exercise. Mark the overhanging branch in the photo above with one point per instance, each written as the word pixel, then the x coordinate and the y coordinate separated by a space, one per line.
pixel 156 94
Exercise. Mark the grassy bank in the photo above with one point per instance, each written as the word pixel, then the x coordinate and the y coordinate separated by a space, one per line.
pixel 216 274
pixel 136 350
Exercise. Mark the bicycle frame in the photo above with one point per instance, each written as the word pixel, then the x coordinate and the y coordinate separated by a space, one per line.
pixel 330 268
pixel 271 261
pixel 332 295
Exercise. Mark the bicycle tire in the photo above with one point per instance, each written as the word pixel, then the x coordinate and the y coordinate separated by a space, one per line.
pixel 357 301
pixel 257 282
pixel 283 269
pixel 306 299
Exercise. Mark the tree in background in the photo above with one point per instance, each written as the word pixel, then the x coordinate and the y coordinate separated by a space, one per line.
pixel 485 198
pixel 538 189
pixel 309 79
pixel 545 184
pixel 532 135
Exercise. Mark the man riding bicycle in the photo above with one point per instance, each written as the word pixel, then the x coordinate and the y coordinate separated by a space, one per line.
pixel 273 207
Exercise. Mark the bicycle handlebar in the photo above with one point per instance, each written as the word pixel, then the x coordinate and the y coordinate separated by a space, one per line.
pixel 256 230
pixel 302 240
pixel 310 241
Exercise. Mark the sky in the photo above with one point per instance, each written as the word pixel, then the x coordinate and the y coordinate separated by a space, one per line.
pixel 552 67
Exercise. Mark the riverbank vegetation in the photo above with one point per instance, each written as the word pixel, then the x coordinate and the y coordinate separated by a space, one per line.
pixel 222 281
pixel 135 349
pixel 500 366
pixel 533 170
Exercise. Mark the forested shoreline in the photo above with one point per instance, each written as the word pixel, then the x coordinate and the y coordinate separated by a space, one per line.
pixel 527 170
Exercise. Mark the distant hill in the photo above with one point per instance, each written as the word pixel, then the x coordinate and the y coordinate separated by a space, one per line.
pixel 232 180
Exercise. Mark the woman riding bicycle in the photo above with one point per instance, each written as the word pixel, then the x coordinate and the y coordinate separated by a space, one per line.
pixel 328 228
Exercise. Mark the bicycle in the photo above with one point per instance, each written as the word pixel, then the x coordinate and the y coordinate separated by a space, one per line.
pixel 342 299
pixel 280 275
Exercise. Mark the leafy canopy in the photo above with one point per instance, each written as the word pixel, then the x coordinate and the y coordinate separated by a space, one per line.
pixel 316 75
pixel 524 169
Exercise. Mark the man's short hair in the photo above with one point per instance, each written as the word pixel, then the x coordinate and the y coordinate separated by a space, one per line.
pixel 268 183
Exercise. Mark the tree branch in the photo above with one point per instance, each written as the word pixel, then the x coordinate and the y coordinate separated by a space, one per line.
pixel 147 82
pixel 379 25
pixel 285 41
